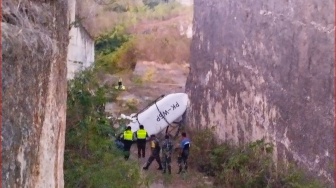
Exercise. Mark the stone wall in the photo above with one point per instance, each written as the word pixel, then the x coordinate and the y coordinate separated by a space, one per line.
pixel 34 43
pixel 265 69
pixel 81 44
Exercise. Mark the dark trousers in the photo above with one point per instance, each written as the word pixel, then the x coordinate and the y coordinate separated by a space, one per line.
pixel 166 160
pixel 155 156
pixel 127 148
pixel 141 148
pixel 182 160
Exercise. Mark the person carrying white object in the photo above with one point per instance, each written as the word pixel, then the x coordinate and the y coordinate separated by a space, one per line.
pixel 183 157
pixel 155 148
pixel 167 149
pixel 161 113
pixel 141 135
pixel 128 141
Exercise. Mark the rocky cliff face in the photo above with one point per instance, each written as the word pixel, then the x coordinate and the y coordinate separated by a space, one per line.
pixel 34 43
pixel 265 69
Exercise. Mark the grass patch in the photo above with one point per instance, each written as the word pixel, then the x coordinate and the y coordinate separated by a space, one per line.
pixel 161 11
pixel 250 165
pixel 115 51
pixel 137 80
pixel 90 158
pixel 100 18
pixel 163 47
pixel 149 75
pixel 120 45
pixel 132 104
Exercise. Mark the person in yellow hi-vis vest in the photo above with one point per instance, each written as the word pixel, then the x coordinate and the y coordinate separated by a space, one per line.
pixel 141 135
pixel 120 83
pixel 128 141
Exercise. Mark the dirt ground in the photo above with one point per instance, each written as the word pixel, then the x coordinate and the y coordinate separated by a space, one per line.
pixel 190 179
pixel 147 82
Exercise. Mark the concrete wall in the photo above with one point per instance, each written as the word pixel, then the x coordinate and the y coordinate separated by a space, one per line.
pixel 34 41
pixel 265 69
pixel 81 44
pixel 186 29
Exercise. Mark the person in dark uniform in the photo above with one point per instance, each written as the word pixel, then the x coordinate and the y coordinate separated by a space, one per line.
pixel 167 148
pixel 184 154
pixel 155 148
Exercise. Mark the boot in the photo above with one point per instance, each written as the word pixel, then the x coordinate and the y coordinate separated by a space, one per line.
pixel 180 170
pixel 160 168
pixel 146 167
pixel 169 169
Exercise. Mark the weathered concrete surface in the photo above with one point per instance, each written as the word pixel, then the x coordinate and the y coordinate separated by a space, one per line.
pixel 34 42
pixel 186 2
pixel 265 69
pixel 81 44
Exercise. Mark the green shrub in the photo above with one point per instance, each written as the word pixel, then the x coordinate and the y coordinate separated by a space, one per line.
pixel 132 105
pixel 115 51
pixel 165 11
pixel 137 80
pixel 154 10
pixel 203 143
pixel 91 158
pixel 249 165
pixel 111 41
pixel 151 3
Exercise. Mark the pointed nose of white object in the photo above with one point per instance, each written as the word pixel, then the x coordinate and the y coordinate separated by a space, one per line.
pixel 159 115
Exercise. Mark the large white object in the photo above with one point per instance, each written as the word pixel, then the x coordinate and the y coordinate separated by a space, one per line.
pixel 161 113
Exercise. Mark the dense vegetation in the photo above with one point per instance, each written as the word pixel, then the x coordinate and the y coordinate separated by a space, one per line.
pixel 99 18
pixel 249 165
pixel 115 51
pixel 139 33
pixel 91 159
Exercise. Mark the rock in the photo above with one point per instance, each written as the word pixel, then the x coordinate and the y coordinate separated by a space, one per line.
pixel 34 38
pixel 252 65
